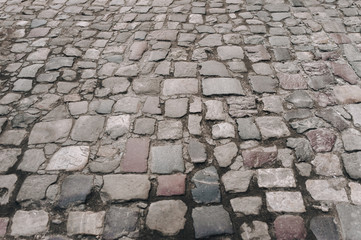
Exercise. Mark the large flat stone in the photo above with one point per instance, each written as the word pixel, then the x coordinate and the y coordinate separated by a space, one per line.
pixel 166 159
pixel 324 228
pixel 237 181
pixel 47 132
pixel 222 86
pixel 72 158
pixel 87 128
pixel 7 186
pixel 276 177
pixel 352 163
pixel 125 187
pixel 28 223
pixel 90 223
pixel 285 202
pixel 350 218
pixel 272 127
pixel 119 222
pixel 136 155
pixel 8 157
pixel 327 190
pixel 347 94
pixel 206 188
pixel 75 189
pixel 180 86
pixel 34 187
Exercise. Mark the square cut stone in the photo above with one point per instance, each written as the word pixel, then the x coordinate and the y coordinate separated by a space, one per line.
pixel 272 127
pixel 263 84
pixel 222 86
pixel 247 205
pixel 136 155
pixel 28 223
pixel 285 202
pixel 87 128
pixel 144 126
pixel 167 159
pixel 276 177
pixel 125 187
pixel 176 108
pixel 170 129
pixel 71 158
pixel 180 86
pixel 90 223
pixel 170 185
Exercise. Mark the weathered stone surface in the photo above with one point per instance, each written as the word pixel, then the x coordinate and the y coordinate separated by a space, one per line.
pixel 75 189
pixel 324 227
pixel 242 106
pixel 7 185
pixel 119 222
pixel 222 86
pixel 197 151
pixel 116 84
pixel 272 127
pixel 185 69
pixel 247 205
pixel 215 110
pixel 170 185
pixel 212 220
pixel 331 116
pixel 206 188
pixel 237 181
pixel 355 111
pixel 176 108
pixel 257 53
pixel 292 81
pixel 166 159
pixel 59 62
pixel 125 187
pixel 28 223
pixel 72 158
pixel 167 216
pixel 230 52
pixel 327 164
pixel 288 227
pixel 308 124
pixel 285 202
pixel 263 84
pixel 259 156
pixel 170 129
pixel 88 128
pixel 211 40
pixel 136 155
pixel 143 85
pixel 151 105
pixel 90 223
pixel 164 35
pixel 355 192
pixel 34 187
pixel 30 71
pixel 180 86
pixel 3 226
pixel 8 157
pixel 194 124
pixel 350 218
pixel 345 72
pixel 54 131
pixel 302 148
pixel 300 99
pixel 322 139
pixel 13 137
pixel 136 50
pixel 276 177
pixel 351 139
pixel 247 129
pixel 259 230
pixel 144 126
pixel 352 163
pixel 218 69
pixel 223 130
pixel 225 154
pixel 347 94
pixel 327 190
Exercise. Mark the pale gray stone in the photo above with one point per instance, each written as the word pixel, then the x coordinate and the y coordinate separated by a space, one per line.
pixel 304 169
pixel 71 158
pixel 351 139
pixel 327 164
pixel 120 221
pixel 237 181
pixel 34 187
pixel 144 126
pixel 90 223
pixel 127 105
pixel 276 177
pixel 197 151
pixel 214 110
pixel 242 106
pixel 263 84
pixel 136 50
pixel 300 99
pixel 247 205
pixel 355 192
pixel 258 231
pixel 8 157
pixel 54 131
pixel 13 137
pixel 303 149
pixel 180 86
pixel 87 128
pixel 222 86
pixel 285 202
pixel 350 220
pixel 194 124
pixel 176 108
pixel 170 129
pixel 125 187
pixel 328 190
pixel 223 130
pixel 225 154
pixel 166 159
pixel 272 127
pixel 30 71
pixel 352 163
pixel 185 69
pixel 28 223
pixel 59 62
pixel 211 40
pixel 213 68
pixel 247 129
pixel 167 216
pixel 116 84
pixel 23 85
pixel 151 105
pixel 355 111
pixel 7 186
pixel 230 52
pixel 117 126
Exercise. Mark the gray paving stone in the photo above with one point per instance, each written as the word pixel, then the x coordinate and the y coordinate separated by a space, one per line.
pixel 180 86
pixel 257 53
pixel 212 220
pixel 34 187
pixel 13 137
pixel 8 157
pixel 211 40
pixel 71 158
pixel 120 221
pixel 127 105
pixel 225 154
pixel 125 187
pixel 144 126
pixel 351 139
pixel 54 131
pixel 327 164
pixel 302 148
pixel 276 177
pixel 75 189
pixel 185 69
pixel 206 188
pixel 247 129
pixel 29 223
pixel 90 223
pixel 242 106
pixel 258 231
pixel 213 68
pixel 223 130
pixel 30 71
pixel 327 190
pixel 7 186
pixel 237 181
pixel 352 163
pixel 151 105
pixel 87 128
pixel 197 151
pixel 167 159
pixel 272 127
pixel 285 202
pixel 117 126
pixel 263 84
pixel 136 50
pixel 59 62
pixel 333 117
pixel 247 205
pixel 230 52
pixel 349 216
pixel 194 124
pixel 116 84
pixel 176 108
pixel 167 216
pixel 324 227
pixel 215 110
pixel 222 86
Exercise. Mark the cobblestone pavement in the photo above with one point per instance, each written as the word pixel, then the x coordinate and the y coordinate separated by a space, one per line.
pixel 164 119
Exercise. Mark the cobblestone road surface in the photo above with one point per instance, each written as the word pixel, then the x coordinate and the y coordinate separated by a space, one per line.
pixel 180 119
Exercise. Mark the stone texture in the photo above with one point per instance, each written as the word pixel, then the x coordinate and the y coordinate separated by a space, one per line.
pixel 206 188
pixel 166 159
pixel 87 128
pixel 272 127
pixel 259 230
pixel 54 131
pixel 322 139
pixel 90 223
pixel 212 220
pixel 247 205
pixel 222 86
pixel 288 227
pixel 324 228
pixel 180 86
pixel 285 202
pixel 275 177
pixel 327 190
pixel 302 148
pixel 75 189
pixel 347 94
pixel 125 187
pixel 144 126
pixel 3 226
pixel 327 164
pixel 225 154
pixel 247 129
pixel 167 216
pixel 34 187
pixel 351 139
pixel 259 156
pixel 13 137
pixel 223 130
pixel 352 163
pixel 119 222
pixel 263 84
pixel 170 129
pixel 237 181
pixel 349 216
pixel 72 158
pixel 29 223
pixel 197 151
pixel 215 110
pixel 170 185
pixel 8 157
pixel 7 186
pixel 136 155
pixel 176 108
pixel 355 192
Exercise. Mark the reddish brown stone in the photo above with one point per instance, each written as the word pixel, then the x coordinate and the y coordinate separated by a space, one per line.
pixel 288 227
pixel 3 226
pixel 169 185
pixel 136 155
pixel 345 72
pixel 340 38
pixel 322 140
pixel 292 81
pixel 259 156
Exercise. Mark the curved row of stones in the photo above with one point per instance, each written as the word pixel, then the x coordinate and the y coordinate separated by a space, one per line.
pixel 180 119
